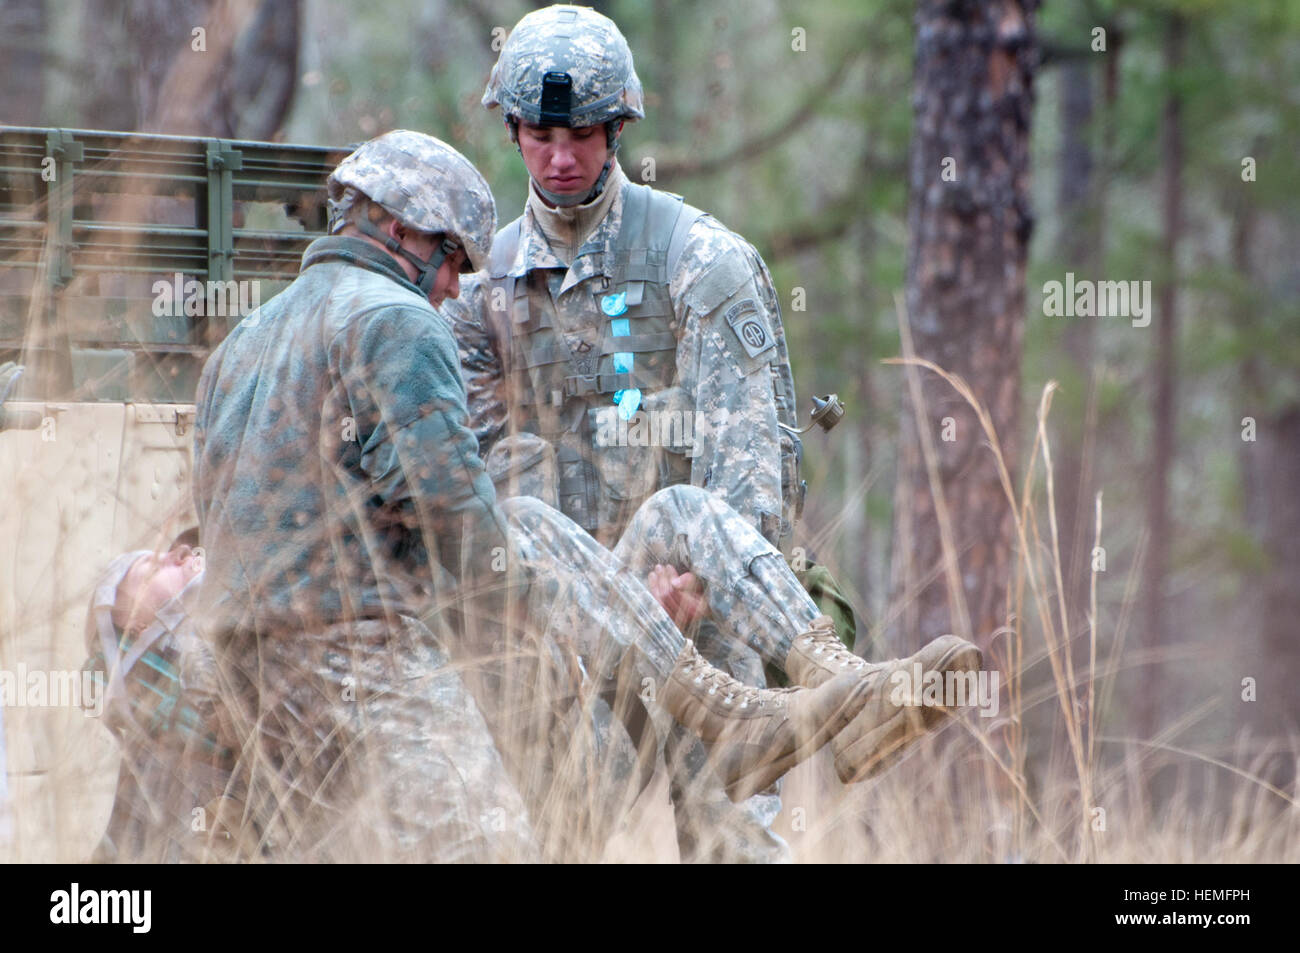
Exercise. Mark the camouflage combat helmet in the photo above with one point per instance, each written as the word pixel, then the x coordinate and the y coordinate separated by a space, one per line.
pixel 426 185
pixel 565 66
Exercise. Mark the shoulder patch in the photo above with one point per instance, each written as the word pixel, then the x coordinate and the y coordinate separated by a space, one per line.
pixel 748 326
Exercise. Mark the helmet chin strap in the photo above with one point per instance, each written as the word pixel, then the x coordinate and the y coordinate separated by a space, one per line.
pixel 426 269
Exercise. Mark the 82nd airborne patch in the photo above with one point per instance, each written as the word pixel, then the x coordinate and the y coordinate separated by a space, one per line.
pixel 749 327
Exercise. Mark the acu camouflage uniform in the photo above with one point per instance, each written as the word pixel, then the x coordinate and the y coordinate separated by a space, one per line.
pixel 659 299
pixel 161 702
pixel 594 601
pixel 659 302
pixel 703 337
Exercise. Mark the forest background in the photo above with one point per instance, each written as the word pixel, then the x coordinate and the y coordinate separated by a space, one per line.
pixel 932 167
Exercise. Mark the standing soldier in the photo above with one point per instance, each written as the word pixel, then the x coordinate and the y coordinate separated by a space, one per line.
pixel 622 341
pixel 608 298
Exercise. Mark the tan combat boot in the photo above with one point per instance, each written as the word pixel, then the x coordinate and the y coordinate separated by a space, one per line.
pixel 757 734
pixel 892 715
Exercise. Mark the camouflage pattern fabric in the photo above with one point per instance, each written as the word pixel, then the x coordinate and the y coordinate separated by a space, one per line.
pixel 573 40
pixel 177 755
pixel 711 829
pixel 596 603
pixel 734 388
pixel 558 677
pixel 337 492
pixel 752 594
pixel 368 747
pixel 525 465
pixel 9 374
pixel 330 448
pixel 756 607
pixel 425 184
pixel 734 398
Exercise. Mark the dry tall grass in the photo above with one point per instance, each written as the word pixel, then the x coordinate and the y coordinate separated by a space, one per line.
pixel 1054 777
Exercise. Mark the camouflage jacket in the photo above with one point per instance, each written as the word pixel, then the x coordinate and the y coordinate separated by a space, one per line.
pixel 729 374
pixel 331 456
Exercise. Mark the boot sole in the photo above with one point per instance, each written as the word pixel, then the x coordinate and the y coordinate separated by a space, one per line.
pixel 882 747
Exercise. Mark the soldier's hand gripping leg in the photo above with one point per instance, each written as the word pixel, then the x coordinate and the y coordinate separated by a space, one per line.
pixel 757 734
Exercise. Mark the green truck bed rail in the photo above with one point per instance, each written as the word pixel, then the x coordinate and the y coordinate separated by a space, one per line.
pixel 94 224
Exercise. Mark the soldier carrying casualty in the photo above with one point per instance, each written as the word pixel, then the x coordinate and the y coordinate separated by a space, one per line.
pixel 607 300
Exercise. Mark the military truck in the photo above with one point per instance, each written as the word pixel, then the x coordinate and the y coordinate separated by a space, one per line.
pixel 124 260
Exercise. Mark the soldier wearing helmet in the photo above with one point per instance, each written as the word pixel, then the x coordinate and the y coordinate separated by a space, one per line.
pixel 423 190
pixel 622 341
pixel 335 483
pixel 408 213
pixel 596 258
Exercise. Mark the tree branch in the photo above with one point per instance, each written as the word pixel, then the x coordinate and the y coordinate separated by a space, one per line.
pixel 836 216
pixel 752 148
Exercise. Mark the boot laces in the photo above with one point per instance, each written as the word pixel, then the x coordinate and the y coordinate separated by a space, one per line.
pixel 821 642
pixel 734 691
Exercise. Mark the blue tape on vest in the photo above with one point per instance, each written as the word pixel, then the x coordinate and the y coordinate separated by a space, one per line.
pixel 629 401
pixel 614 304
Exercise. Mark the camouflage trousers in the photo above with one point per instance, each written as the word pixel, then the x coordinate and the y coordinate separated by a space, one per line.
pixel 756 606
pixel 558 658
pixel 595 603
pixel 364 745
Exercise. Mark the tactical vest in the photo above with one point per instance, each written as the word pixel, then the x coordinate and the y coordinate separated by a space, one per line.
pixel 601 482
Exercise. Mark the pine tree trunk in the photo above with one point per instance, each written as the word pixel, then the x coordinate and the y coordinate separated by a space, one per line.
pixel 968 243
pixel 1270 474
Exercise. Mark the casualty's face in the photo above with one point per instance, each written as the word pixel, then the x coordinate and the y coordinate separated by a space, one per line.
pixel 567 161
pixel 151 582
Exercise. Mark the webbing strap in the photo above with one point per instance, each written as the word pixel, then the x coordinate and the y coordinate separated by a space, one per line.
pixel 504 248
pixel 648 215
pixel 686 217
